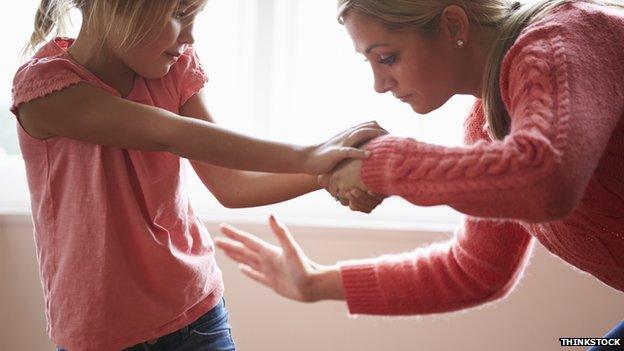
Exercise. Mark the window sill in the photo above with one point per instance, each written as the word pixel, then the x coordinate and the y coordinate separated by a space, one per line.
pixel 21 218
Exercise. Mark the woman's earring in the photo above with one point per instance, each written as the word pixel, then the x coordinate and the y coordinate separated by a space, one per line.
pixel 460 43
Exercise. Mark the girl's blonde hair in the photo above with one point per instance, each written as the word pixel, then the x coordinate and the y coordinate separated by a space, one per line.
pixel 127 21
pixel 506 17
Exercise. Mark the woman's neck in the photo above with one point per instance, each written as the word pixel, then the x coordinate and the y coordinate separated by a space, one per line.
pixel 102 62
pixel 475 61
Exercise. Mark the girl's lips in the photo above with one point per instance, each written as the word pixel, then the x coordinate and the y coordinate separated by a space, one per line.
pixel 174 56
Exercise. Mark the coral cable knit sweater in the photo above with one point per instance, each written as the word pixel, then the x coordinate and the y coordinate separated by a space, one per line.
pixel 558 176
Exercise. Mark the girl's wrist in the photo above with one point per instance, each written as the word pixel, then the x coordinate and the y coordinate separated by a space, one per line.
pixel 305 158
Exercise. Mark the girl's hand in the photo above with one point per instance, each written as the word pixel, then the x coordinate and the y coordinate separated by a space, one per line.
pixel 284 269
pixel 322 158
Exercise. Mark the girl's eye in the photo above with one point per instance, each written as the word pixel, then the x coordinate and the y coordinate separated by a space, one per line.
pixel 180 14
pixel 388 60
pixel 182 11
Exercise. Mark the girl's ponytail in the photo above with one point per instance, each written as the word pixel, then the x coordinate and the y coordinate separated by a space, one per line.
pixel 51 14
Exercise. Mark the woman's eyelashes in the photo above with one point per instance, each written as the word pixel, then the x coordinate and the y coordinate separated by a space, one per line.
pixel 387 60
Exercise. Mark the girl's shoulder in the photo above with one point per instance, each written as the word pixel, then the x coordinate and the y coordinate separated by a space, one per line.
pixel 51 69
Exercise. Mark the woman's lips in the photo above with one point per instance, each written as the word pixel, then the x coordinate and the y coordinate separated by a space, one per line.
pixel 404 98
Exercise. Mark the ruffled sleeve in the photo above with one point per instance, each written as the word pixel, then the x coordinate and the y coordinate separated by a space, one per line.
pixel 188 75
pixel 40 77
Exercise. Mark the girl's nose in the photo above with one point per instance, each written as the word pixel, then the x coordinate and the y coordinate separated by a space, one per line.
pixel 186 35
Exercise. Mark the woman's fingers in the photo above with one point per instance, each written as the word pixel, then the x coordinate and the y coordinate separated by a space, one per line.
pixel 249 240
pixel 323 180
pixel 283 235
pixel 238 252
pixel 357 205
pixel 362 201
pixel 254 274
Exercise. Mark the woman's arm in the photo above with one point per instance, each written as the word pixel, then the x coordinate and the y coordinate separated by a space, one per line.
pixel 565 95
pixel 482 263
pixel 86 113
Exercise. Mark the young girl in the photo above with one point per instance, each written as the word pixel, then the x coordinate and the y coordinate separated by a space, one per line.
pixel 105 120
pixel 545 158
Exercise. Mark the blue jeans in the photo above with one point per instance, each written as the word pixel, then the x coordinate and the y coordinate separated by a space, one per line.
pixel 616 333
pixel 211 332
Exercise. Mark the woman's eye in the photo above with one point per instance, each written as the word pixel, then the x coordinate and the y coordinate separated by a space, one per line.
pixel 179 14
pixel 388 60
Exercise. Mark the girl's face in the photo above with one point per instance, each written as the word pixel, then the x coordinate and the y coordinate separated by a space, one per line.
pixel 417 69
pixel 153 57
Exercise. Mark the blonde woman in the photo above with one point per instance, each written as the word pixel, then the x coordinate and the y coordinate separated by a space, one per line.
pixel 544 154
pixel 104 122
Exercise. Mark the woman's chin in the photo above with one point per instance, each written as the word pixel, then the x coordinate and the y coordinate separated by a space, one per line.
pixel 421 110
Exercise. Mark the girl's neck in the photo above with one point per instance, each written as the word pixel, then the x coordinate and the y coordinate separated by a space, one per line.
pixel 102 62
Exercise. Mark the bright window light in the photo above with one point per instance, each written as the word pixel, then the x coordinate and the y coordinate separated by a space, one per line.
pixel 283 70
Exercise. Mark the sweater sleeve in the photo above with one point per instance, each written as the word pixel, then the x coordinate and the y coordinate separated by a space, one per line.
pixel 563 89
pixel 482 263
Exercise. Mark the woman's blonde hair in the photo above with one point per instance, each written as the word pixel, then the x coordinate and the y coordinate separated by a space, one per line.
pixel 506 17
pixel 127 21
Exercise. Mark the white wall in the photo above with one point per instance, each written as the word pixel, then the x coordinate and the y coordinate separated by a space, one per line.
pixel 553 300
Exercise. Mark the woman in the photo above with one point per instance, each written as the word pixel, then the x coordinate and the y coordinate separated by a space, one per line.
pixel 544 154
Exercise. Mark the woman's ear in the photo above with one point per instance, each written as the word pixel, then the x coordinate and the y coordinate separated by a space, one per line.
pixel 454 26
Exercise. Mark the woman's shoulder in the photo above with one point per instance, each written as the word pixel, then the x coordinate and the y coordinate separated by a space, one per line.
pixel 577 25
pixel 580 38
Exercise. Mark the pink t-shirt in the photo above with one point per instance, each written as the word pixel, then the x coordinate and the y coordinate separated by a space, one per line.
pixel 123 258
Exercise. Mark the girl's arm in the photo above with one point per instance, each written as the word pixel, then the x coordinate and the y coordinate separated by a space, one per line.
pixel 482 263
pixel 235 188
pixel 89 114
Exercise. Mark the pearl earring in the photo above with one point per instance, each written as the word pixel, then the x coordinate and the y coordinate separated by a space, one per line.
pixel 460 43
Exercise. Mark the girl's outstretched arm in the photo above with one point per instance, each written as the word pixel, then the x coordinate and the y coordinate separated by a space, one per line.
pixel 89 114
pixel 235 188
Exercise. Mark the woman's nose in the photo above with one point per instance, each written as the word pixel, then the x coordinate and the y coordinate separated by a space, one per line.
pixel 383 83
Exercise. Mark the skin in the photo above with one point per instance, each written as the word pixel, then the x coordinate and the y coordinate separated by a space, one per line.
pixel 421 70
pixel 424 71
pixel 86 113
